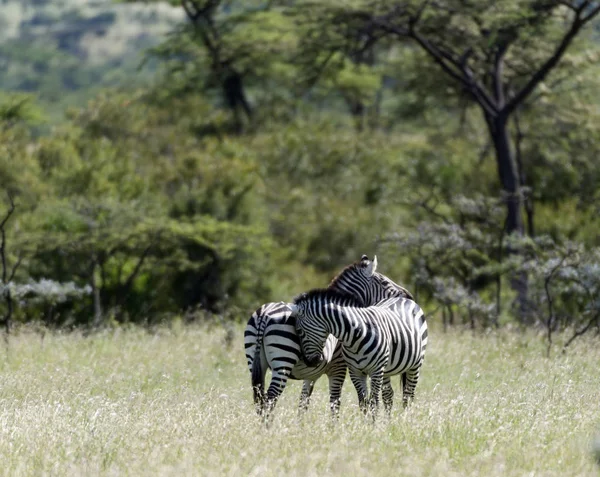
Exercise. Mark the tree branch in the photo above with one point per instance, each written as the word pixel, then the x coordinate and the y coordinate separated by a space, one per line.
pixel 10 211
pixel 430 209
pixel 134 273
pixel 196 15
pixel 193 16
pixel 198 12
pixel 582 331
pixel 550 319
pixel 457 69
pixel 547 280
pixel 314 77
pixel 578 22
pixel 498 73
pixel 14 268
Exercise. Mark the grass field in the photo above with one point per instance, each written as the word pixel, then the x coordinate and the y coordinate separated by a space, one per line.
pixel 178 402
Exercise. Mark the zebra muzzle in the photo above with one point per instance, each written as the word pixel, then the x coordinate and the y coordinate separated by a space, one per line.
pixel 313 361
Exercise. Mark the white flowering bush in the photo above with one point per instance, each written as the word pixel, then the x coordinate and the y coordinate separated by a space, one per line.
pixel 564 284
pixel 462 261
pixel 458 259
pixel 43 294
pixel 45 290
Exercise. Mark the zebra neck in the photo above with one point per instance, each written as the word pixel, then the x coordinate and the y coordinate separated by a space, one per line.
pixel 358 292
pixel 347 326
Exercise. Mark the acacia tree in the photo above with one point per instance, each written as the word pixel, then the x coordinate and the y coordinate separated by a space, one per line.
pixel 494 53
pixel 230 46
pixel 7 273
pixel 202 17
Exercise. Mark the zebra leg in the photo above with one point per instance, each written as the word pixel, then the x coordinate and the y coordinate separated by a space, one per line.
pixel 387 393
pixel 409 383
pixel 336 381
pixel 279 379
pixel 360 384
pixel 307 390
pixel 376 385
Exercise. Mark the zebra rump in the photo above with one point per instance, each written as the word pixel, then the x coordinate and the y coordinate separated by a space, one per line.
pixel 271 342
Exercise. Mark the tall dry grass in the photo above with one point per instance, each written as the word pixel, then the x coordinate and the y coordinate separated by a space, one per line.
pixel 178 402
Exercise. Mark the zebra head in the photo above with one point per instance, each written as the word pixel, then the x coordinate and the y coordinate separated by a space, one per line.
pixel 316 318
pixel 310 331
pixel 384 287
pixel 313 324
pixel 362 281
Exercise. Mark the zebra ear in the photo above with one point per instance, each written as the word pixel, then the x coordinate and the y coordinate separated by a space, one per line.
pixel 371 267
pixel 294 309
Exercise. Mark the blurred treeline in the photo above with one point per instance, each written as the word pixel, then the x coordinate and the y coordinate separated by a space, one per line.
pixel 272 143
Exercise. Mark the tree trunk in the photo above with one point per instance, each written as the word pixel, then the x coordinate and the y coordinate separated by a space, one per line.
pixel 508 173
pixel 530 215
pixel 357 110
pixel 528 198
pixel 97 300
pixel 235 97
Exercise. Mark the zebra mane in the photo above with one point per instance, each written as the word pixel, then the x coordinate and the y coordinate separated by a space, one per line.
pixel 327 294
pixel 350 268
pixel 401 291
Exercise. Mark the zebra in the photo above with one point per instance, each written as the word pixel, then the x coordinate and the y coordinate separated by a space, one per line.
pixel 379 341
pixel 362 281
pixel 270 339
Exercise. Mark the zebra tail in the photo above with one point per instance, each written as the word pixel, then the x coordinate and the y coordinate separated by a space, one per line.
pixel 258 381
pixel 258 376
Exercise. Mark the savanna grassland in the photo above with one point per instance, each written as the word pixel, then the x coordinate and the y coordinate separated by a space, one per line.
pixel 177 401
pixel 170 162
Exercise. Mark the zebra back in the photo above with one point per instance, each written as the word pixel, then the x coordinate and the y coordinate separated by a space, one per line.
pixel 399 323
pixel 413 313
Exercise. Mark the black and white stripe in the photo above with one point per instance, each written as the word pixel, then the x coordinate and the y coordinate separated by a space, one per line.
pixel 378 341
pixel 271 342
pixel 362 281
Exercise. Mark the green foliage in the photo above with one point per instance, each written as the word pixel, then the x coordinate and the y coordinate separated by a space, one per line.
pixel 136 201
pixel 18 108
pixel 177 195
pixel 66 50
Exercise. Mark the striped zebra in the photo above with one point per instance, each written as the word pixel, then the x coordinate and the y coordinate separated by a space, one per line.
pixel 271 341
pixel 378 341
pixel 362 280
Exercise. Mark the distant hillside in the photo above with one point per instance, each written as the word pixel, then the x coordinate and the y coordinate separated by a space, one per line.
pixel 64 50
